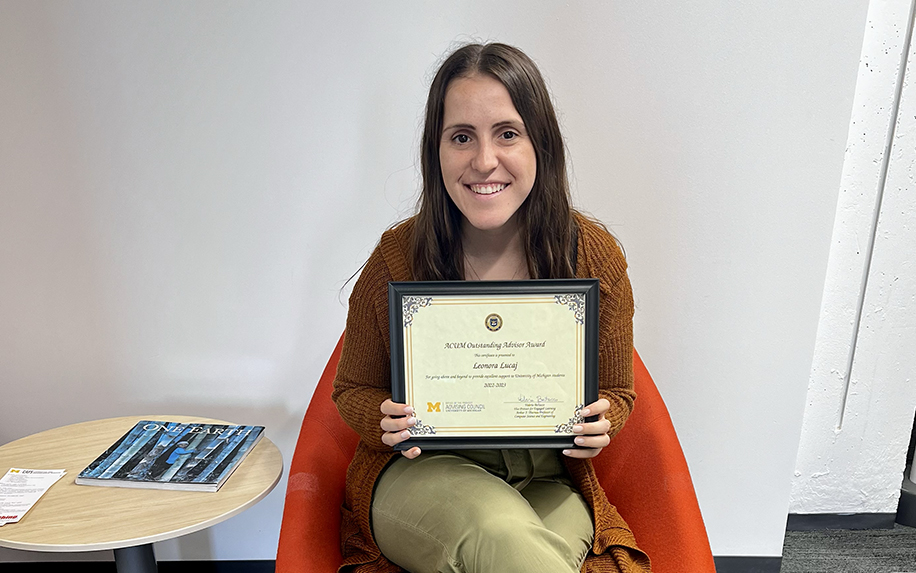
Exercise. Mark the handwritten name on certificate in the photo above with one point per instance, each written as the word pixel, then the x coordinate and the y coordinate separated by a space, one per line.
pixel 494 365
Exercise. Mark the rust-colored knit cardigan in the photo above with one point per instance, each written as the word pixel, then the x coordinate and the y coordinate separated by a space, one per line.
pixel 363 383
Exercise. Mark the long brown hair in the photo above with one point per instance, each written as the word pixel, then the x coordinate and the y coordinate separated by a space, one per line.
pixel 545 218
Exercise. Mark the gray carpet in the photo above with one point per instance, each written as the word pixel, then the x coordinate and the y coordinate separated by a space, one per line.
pixel 848 551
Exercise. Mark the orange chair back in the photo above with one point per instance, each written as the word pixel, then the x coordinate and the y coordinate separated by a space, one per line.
pixel 310 530
pixel 645 475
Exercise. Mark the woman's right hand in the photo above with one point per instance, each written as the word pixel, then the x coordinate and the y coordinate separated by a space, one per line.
pixel 396 428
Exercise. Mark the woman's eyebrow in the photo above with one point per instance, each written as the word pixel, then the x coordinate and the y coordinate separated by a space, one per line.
pixel 459 126
pixel 508 122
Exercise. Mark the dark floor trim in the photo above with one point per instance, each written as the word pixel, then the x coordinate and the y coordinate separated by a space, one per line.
pixel 748 564
pixel 906 508
pixel 252 566
pixel 817 521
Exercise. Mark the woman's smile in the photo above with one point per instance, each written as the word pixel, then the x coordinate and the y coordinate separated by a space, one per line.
pixel 487 188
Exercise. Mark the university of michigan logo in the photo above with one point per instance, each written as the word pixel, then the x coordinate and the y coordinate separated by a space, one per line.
pixel 493 322
pixel 431 407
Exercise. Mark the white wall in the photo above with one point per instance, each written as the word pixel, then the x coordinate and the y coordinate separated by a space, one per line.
pixel 185 187
pixel 861 395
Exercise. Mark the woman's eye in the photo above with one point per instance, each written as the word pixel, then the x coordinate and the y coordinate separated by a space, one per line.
pixel 509 135
pixel 461 138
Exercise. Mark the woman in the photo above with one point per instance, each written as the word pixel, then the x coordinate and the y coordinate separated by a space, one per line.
pixel 494 206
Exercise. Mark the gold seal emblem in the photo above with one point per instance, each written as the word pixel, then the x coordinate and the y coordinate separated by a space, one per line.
pixel 493 322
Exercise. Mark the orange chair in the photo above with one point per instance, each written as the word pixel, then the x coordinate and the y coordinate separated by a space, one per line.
pixel 643 471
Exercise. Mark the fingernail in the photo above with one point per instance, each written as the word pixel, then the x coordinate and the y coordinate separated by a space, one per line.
pixel 405 434
pixel 585 412
pixel 411 421
pixel 577 429
pixel 580 440
pixel 567 452
pixel 409 410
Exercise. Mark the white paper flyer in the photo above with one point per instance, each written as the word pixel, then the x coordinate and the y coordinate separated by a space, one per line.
pixel 21 488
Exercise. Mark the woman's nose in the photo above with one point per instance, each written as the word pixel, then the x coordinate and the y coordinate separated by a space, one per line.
pixel 485 159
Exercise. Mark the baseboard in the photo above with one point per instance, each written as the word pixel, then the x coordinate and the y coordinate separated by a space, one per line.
pixel 816 521
pixel 253 566
pixel 732 564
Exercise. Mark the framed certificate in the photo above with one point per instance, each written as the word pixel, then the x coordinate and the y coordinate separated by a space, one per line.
pixel 494 364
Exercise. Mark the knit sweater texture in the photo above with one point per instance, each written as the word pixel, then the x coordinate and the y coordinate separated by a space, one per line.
pixel 363 382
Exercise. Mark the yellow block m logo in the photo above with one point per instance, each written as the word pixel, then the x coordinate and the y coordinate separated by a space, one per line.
pixel 430 407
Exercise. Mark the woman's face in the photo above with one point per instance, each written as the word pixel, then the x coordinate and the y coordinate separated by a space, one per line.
pixel 487 159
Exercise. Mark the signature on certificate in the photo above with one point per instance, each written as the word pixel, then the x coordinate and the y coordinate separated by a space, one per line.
pixel 537 399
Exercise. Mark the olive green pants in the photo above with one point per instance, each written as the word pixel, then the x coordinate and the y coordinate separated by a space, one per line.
pixel 481 511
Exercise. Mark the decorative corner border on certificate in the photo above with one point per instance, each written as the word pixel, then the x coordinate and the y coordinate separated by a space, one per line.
pixel 421 429
pixel 412 304
pixel 574 302
pixel 577 418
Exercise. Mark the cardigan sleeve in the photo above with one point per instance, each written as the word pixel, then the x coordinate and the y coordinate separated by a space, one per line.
pixel 615 351
pixel 600 257
pixel 363 375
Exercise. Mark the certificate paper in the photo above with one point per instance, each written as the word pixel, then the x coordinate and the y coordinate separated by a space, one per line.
pixel 494 364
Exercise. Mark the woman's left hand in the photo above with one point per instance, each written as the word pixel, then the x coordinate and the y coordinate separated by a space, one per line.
pixel 591 435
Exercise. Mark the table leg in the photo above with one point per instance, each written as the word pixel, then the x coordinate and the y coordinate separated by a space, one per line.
pixel 138 559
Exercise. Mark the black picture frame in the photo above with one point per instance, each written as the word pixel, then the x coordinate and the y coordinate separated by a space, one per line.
pixel 560 289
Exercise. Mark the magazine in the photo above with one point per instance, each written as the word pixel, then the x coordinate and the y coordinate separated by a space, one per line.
pixel 171 455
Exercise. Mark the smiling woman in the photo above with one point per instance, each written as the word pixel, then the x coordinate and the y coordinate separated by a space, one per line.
pixel 494 206
pixel 492 102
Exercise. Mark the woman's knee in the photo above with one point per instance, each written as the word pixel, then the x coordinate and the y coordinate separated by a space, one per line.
pixel 506 542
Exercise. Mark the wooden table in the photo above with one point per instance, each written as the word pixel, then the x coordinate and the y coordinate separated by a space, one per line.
pixel 72 517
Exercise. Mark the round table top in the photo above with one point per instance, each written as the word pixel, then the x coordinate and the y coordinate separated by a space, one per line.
pixel 71 517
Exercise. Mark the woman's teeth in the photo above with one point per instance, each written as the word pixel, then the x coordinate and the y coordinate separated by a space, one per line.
pixel 487 189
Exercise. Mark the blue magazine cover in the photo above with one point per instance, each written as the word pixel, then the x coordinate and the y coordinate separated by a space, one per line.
pixel 171 455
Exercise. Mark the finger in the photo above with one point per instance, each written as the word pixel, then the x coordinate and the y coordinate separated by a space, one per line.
pixel 602 426
pixel 593 441
pixel 582 454
pixel 390 424
pixel 596 408
pixel 390 408
pixel 394 438
pixel 411 453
